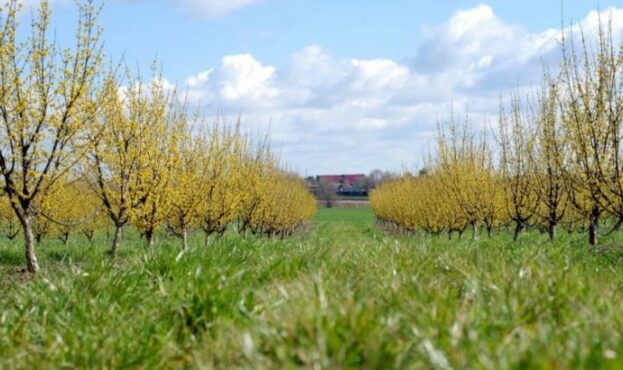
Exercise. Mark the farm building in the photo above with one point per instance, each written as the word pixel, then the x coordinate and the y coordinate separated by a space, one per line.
pixel 343 179
pixel 346 184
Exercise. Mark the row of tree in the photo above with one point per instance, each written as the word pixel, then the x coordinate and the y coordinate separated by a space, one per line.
pixel 554 160
pixel 84 147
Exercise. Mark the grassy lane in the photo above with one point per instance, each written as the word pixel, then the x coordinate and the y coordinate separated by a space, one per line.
pixel 344 225
pixel 353 216
pixel 345 296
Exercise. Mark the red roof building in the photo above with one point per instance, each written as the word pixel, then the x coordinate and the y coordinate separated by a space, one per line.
pixel 342 179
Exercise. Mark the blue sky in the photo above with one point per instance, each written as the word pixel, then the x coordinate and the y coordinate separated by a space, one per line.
pixel 343 86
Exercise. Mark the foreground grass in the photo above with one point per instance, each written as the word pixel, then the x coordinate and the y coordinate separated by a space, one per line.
pixel 345 296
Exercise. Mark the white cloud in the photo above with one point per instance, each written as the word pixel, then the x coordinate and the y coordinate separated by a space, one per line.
pixel 240 81
pixel 328 114
pixel 214 8
pixel 243 79
pixel 199 79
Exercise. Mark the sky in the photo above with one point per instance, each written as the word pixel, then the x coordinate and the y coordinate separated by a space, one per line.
pixel 343 86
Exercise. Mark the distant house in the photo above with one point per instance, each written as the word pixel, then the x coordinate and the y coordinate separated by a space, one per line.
pixel 347 184
pixel 343 179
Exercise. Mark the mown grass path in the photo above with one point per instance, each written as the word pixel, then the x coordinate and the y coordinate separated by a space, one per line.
pixel 344 225
pixel 344 296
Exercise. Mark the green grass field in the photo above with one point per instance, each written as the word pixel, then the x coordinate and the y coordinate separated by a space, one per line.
pixel 344 296
pixel 358 216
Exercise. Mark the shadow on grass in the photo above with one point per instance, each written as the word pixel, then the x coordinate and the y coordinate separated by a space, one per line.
pixel 11 257
pixel 58 255
pixel 611 251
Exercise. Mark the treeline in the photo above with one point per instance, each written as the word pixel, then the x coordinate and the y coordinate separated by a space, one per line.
pixel 86 147
pixel 553 160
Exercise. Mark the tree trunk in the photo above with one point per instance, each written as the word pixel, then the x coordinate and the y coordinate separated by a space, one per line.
pixel 184 239
pixel 149 235
pixel 594 226
pixel 518 230
pixel 592 233
pixel 474 231
pixel 29 240
pixel 551 230
pixel 116 241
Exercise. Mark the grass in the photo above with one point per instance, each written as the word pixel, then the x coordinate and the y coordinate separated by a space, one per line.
pixel 345 296
pixel 359 216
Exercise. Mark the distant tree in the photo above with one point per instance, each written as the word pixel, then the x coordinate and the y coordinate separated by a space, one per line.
pixel 364 184
pixel 327 192
pixel 377 177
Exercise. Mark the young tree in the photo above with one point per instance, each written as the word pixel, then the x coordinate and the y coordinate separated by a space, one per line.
pixel 188 186
pixel 327 192
pixel 592 105
pixel 287 205
pixel 149 215
pixel 45 108
pixel 464 166
pixel 223 181
pixel 549 159
pixel 516 142
pixel 129 134
pixel 258 164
